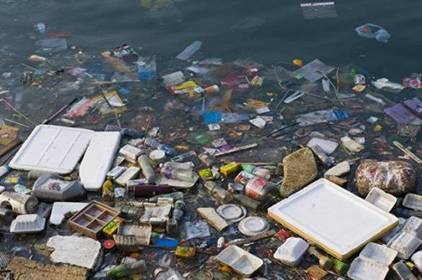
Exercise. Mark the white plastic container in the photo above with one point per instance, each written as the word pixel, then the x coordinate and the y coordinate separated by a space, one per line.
pixel 98 159
pixel 50 148
pixel 417 260
pixel 379 253
pixel 405 244
pixel 129 174
pixel 403 272
pixel 363 269
pixel 29 223
pixel 372 263
pixel 240 260
pixel 130 153
pixel 292 251
pixel 389 236
pixel 333 218
pixel 413 201
pixel 381 199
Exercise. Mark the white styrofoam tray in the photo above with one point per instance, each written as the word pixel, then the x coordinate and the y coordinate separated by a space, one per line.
pixel 98 159
pixel 335 219
pixel 51 148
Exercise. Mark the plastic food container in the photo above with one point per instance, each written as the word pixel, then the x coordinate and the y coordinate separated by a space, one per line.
pixel 364 269
pixel 379 253
pixel 292 251
pixel 52 188
pixel 372 263
pixel 405 244
pixel 239 260
pixel 413 201
pixel 381 199
pixel 403 272
pixel 27 224
pixel 417 260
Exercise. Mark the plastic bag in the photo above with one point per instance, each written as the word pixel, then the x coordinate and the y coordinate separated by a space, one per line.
pixel 52 45
pixel 373 31
pixel 198 229
pixel 147 68
pixel 395 177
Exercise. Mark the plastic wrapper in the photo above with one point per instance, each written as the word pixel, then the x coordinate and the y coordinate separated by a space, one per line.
pixel 394 177
pixel 373 31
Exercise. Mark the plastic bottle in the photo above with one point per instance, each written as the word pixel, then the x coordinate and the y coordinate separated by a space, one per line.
pixel 4 169
pixel 325 85
pixel 218 117
pixel 337 115
pixel 257 171
pixel 184 156
pixel 151 142
pixel 178 174
pixel 130 212
pixel 127 269
pixel 218 192
pixel 234 117
pixel 178 212
pixel 146 168
pixel 169 274
pixel 174 196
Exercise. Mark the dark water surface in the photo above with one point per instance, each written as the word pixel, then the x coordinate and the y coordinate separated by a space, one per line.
pixel 278 33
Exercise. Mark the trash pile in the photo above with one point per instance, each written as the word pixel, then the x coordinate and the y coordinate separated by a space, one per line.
pixel 206 169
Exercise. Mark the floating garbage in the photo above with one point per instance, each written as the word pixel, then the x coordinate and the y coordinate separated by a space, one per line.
pixel 373 31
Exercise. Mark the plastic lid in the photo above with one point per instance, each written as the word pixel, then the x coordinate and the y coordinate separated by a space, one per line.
pixel 231 212
pixel 109 244
pixel 157 155
pixel 253 225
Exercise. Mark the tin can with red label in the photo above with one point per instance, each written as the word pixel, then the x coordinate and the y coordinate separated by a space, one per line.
pixel 256 188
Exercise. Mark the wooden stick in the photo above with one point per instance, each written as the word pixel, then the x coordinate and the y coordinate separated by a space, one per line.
pixel 236 149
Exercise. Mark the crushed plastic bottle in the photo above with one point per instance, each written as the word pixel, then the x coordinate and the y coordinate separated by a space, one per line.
pixel 189 51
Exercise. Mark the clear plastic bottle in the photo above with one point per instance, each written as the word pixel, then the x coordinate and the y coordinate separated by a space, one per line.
pixel 170 274
pixel 218 117
pixel 234 117
pixel 151 142
pixel 177 173
pixel 127 269
pixel 147 169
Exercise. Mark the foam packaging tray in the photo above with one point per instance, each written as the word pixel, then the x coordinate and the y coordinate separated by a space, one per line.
pixel 239 260
pixel 333 218
pixel 50 148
